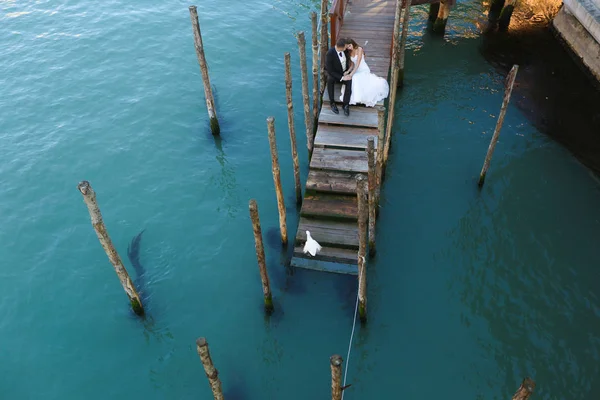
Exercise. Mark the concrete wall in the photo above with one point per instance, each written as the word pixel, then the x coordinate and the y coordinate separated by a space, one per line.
pixel 578 23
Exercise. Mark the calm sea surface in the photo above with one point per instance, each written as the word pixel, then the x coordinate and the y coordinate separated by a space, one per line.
pixel 470 292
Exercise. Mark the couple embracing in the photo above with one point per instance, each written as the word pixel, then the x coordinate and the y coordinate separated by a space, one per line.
pixel 345 64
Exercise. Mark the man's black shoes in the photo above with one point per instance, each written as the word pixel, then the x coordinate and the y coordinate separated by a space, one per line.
pixel 334 108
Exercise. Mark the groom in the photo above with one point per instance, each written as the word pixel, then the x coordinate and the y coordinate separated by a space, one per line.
pixel 336 63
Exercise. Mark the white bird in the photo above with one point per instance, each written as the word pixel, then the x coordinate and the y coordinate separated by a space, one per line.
pixel 311 246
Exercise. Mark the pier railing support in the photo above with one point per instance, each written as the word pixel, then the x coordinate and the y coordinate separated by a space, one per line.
pixel 260 256
pixel 324 42
pixel 336 377
pixel 89 197
pixel 381 140
pixel 210 101
pixel 402 50
pixel 439 26
pixel 510 81
pixel 292 129
pixel 305 95
pixel 363 209
pixel 395 48
pixel 211 372
pixel 525 390
pixel 315 71
pixel 277 180
pixel 372 193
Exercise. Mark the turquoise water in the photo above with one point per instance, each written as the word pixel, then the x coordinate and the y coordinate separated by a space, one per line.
pixel 470 292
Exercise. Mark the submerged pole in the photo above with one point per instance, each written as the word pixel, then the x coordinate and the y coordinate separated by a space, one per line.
pixel 439 26
pixel 324 42
pixel 336 376
pixel 494 13
pixel 89 197
pixel 381 139
pixel 315 71
pixel 290 114
pixel 488 158
pixel 211 372
pixel 525 390
pixel 305 95
pixel 505 15
pixel 260 256
pixel 363 209
pixel 277 180
pixel 434 9
pixel 372 191
pixel 402 50
pixel 210 101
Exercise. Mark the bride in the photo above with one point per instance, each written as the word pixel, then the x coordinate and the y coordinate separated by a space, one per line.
pixel 367 88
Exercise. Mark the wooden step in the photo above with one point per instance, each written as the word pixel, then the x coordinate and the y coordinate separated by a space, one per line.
pixel 324 266
pixel 331 181
pixel 328 233
pixel 334 254
pixel 337 92
pixel 344 137
pixel 359 116
pixel 339 160
pixel 329 205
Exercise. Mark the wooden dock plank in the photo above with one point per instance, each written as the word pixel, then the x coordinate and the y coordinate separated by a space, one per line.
pixel 329 205
pixel 331 181
pixel 337 92
pixel 343 139
pixel 359 116
pixel 324 266
pixel 339 160
pixel 334 254
pixel 328 233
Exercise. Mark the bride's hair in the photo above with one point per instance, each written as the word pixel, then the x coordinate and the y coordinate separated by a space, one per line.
pixel 353 43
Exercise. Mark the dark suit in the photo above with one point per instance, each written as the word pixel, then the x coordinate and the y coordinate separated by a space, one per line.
pixel 335 72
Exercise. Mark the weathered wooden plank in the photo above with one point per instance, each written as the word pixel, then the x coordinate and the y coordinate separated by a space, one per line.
pixel 335 254
pixel 359 116
pixel 329 205
pixel 331 181
pixel 328 233
pixel 339 160
pixel 324 266
pixel 343 137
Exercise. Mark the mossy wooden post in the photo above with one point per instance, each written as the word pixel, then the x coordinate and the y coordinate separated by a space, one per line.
pixel 363 210
pixel 434 9
pixel 525 390
pixel 372 191
pixel 305 95
pixel 402 50
pixel 381 139
pixel 315 70
pixel 439 26
pixel 336 376
pixel 211 372
pixel 210 101
pixel 89 197
pixel 290 110
pixel 510 80
pixel 260 256
pixel 395 47
pixel 505 15
pixel 494 12
pixel 324 41
pixel 277 180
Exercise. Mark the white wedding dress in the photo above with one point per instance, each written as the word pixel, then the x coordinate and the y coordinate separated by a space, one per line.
pixel 367 88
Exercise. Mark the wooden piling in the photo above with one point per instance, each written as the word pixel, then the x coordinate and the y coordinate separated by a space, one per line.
pixel 494 12
pixel 210 101
pixel 510 80
pixel 290 114
pixel 525 390
pixel 211 372
pixel 324 42
pixel 505 15
pixel 277 180
pixel 336 376
pixel 363 210
pixel 372 191
pixel 434 9
pixel 439 26
pixel 315 71
pixel 381 140
pixel 89 197
pixel 260 256
pixel 305 96
pixel 395 48
pixel 402 50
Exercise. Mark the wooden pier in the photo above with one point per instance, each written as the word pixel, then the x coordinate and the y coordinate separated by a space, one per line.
pixel 329 209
